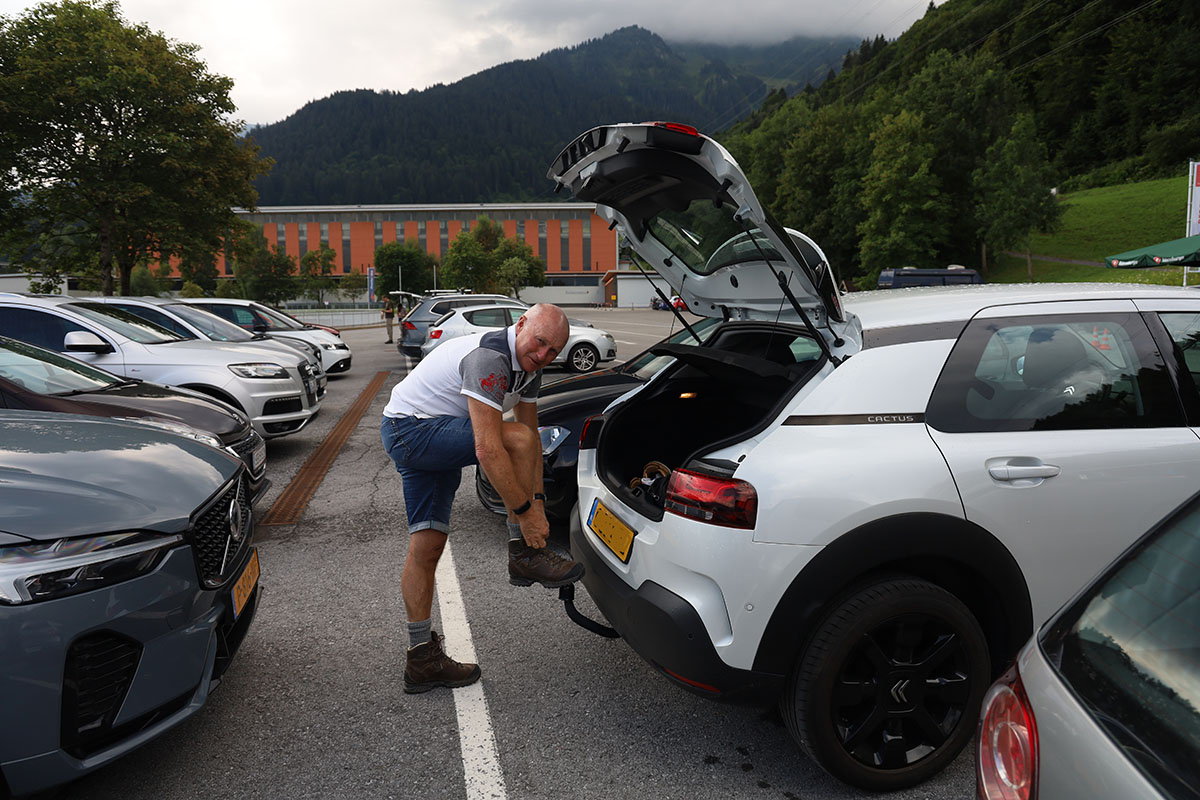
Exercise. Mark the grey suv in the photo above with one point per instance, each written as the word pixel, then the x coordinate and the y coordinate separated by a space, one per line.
pixel 127 583
pixel 416 322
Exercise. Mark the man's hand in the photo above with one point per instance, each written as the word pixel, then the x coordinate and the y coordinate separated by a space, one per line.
pixel 534 526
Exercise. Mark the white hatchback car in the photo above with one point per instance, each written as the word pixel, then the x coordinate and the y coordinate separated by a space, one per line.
pixel 249 315
pixel 861 513
pixel 586 347
pixel 275 389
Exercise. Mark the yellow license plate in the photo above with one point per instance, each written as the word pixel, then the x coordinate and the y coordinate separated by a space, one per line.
pixel 245 584
pixel 616 535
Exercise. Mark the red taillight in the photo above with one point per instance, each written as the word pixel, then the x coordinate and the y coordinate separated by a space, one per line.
pixel 708 498
pixel 408 326
pixel 678 128
pixel 1008 746
pixel 436 333
pixel 591 432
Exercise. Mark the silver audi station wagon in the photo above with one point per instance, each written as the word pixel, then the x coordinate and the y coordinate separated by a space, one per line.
pixel 861 510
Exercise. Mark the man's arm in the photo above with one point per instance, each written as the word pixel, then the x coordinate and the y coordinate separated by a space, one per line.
pixel 514 483
pixel 527 415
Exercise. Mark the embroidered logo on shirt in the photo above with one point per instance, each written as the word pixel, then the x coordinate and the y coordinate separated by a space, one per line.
pixel 490 383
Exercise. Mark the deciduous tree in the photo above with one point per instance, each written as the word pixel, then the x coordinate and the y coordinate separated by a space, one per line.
pixel 316 274
pixel 403 266
pixel 116 134
pixel 907 214
pixel 1013 190
pixel 475 257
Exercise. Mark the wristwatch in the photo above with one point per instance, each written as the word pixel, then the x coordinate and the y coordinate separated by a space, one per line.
pixel 539 496
pixel 521 509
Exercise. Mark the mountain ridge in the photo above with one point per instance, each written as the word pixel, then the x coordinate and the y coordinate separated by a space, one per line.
pixel 489 137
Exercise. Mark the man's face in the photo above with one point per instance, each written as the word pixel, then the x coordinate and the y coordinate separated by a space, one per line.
pixel 538 342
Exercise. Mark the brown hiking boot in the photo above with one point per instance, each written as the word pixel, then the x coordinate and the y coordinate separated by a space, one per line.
pixel 529 565
pixel 428 667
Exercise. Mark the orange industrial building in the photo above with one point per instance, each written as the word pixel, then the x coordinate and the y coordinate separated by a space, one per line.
pixel 576 245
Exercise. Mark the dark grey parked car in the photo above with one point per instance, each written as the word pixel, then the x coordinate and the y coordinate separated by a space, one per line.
pixel 127 583
pixel 35 379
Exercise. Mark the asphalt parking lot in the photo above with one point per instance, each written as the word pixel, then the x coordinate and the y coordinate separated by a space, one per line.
pixel 313 707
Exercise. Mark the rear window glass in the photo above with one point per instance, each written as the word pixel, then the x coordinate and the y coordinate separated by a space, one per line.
pixel 1130 650
pixel 1061 372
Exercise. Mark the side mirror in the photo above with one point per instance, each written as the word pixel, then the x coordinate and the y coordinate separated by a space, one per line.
pixel 85 342
pixel 260 328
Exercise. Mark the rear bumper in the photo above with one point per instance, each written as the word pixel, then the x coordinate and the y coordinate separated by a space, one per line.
pixel 666 631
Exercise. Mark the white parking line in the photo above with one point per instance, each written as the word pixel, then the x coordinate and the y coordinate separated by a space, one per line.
pixel 481 762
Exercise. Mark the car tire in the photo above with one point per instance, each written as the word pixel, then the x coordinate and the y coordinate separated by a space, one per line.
pixel 888 689
pixel 489 498
pixel 583 358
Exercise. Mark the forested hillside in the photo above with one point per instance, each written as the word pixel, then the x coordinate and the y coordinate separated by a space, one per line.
pixel 490 137
pixel 913 153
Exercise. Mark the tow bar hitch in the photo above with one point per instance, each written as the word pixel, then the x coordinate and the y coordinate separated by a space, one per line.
pixel 567 595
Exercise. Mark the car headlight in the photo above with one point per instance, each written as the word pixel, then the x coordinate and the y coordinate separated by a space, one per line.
pixel 177 428
pixel 328 346
pixel 48 570
pixel 553 437
pixel 258 370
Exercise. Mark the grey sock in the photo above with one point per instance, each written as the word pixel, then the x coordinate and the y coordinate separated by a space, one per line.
pixel 514 531
pixel 419 633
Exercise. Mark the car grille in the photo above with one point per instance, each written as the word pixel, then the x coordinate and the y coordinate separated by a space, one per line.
pixel 245 449
pixel 97 674
pixel 282 405
pixel 220 534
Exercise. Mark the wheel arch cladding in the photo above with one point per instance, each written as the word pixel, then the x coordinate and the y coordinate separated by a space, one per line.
pixel 957 555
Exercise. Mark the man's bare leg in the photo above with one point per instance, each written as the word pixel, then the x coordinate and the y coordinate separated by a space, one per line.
pixel 416 582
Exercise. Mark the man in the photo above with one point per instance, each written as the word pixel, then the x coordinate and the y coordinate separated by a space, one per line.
pixel 446 414
pixel 389 314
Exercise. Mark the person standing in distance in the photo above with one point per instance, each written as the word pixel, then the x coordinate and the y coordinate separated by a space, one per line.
pixel 389 315
pixel 447 413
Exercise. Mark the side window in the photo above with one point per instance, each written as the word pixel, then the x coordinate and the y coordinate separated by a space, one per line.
pixel 488 317
pixel 37 327
pixel 437 309
pixel 1184 328
pixel 1063 372
pixel 224 312
pixel 158 318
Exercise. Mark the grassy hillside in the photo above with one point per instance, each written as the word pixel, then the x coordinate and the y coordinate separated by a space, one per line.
pixel 1101 222
pixel 1012 269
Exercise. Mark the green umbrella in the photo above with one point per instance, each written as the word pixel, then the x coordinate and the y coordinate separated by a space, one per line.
pixel 1177 252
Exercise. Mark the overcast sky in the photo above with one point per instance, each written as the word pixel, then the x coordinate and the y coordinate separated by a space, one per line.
pixel 283 53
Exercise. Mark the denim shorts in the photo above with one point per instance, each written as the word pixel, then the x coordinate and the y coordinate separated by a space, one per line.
pixel 429 454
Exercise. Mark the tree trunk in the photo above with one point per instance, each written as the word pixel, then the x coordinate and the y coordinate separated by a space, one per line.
pixel 1029 259
pixel 983 258
pixel 106 281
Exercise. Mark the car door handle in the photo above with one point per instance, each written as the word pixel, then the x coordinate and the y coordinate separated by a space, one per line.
pixel 1016 472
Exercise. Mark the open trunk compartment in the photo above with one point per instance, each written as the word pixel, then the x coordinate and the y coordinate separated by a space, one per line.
pixel 713 395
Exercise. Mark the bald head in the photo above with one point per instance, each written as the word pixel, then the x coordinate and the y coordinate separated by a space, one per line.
pixel 541 335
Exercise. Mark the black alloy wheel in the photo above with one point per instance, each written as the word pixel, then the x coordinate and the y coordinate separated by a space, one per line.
pixel 583 357
pixel 888 690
